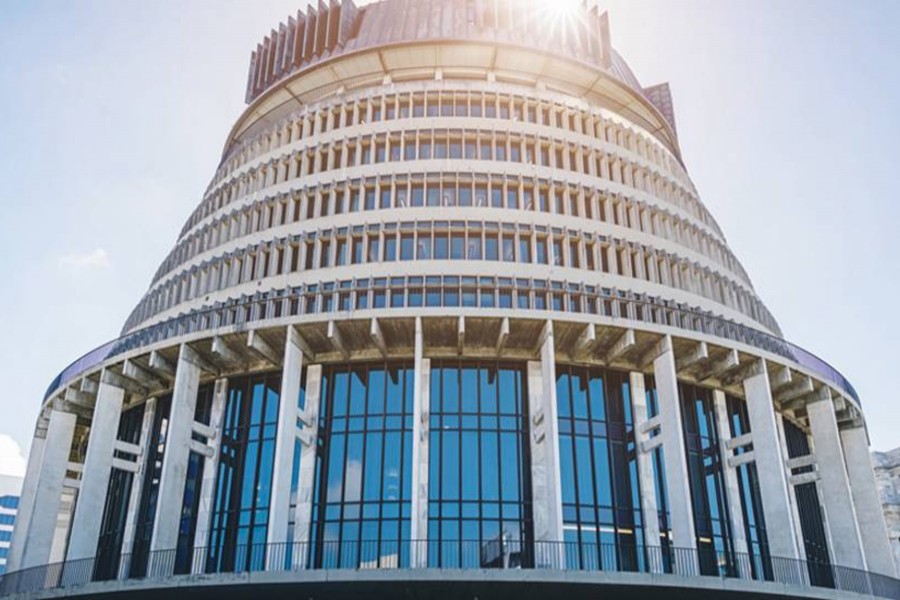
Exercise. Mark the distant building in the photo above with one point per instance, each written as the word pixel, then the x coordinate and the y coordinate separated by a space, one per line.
pixel 887 475
pixel 10 488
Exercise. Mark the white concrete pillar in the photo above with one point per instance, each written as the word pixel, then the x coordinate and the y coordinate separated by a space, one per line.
pixel 137 481
pixel 26 504
pixel 837 499
pixel 418 530
pixel 97 468
pixel 770 466
pixel 175 458
pixel 306 479
pixel 869 514
pixel 36 543
pixel 647 481
pixel 732 489
pixel 545 469
pixel 285 440
pixel 210 471
pixel 681 514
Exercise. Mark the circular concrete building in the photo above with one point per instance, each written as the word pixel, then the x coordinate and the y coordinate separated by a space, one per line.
pixel 450 321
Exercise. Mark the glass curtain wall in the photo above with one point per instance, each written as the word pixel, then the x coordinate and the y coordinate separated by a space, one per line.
pixel 479 499
pixel 751 499
pixel 118 494
pixel 237 539
pixel 812 525
pixel 156 448
pixel 361 511
pixel 602 521
pixel 712 523
pixel 190 505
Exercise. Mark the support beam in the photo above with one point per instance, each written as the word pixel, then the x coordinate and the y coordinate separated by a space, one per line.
pixel 222 351
pixel 262 348
pixel 502 336
pixel 120 381
pixel 460 335
pixel 285 441
pixel 378 337
pixel 770 461
pixel 420 451
pixel 337 340
pixel 720 367
pixel 700 352
pixel 85 530
pixel 869 514
pixel 625 343
pixel 781 376
pixel 795 389
pixel 144 377
pixel 35 541
pixel 647 481
pixel 89 386
pixel 79 398
pixel 585 342
pixel 175 459
pixel 545 465
pixel 681 514
pixel 162 366
pixel 840 515
pixel 663 345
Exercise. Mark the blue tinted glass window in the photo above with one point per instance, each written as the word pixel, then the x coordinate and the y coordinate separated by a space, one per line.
pixel 361 513
pixel 479 473
pixel 602 521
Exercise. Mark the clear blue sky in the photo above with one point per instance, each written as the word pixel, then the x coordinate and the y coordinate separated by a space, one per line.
pixel 113 115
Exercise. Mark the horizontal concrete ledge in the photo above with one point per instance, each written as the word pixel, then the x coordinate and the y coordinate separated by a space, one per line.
pixel 437 584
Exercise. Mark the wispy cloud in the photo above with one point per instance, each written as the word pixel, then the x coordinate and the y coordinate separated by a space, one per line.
pixel 97 259
pixel 12 459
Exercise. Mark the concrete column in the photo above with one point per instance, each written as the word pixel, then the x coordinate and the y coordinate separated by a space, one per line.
pixel 770 466
pixel 421 433
pixel 137 482
pixel 177 453
pixel 545 470
pixel 732 489
pixel 681 514
pixel 306 480
pixel 869 515
pixel 26 504
pixel 835 485
pixel 97 469
pixel 285 440
pixel 36 543
pixel 210 470
pixel 649 508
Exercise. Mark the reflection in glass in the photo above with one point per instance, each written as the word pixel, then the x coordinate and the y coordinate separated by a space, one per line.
pixel 479 512
pixel 362 502
pixel 602 520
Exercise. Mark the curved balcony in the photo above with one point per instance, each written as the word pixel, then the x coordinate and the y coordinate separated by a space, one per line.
pixel 605 568
pixel 327 302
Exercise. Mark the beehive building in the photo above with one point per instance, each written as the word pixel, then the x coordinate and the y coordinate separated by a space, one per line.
pixel 451 318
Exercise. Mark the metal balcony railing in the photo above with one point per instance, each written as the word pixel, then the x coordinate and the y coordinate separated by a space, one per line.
pixel 464 555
